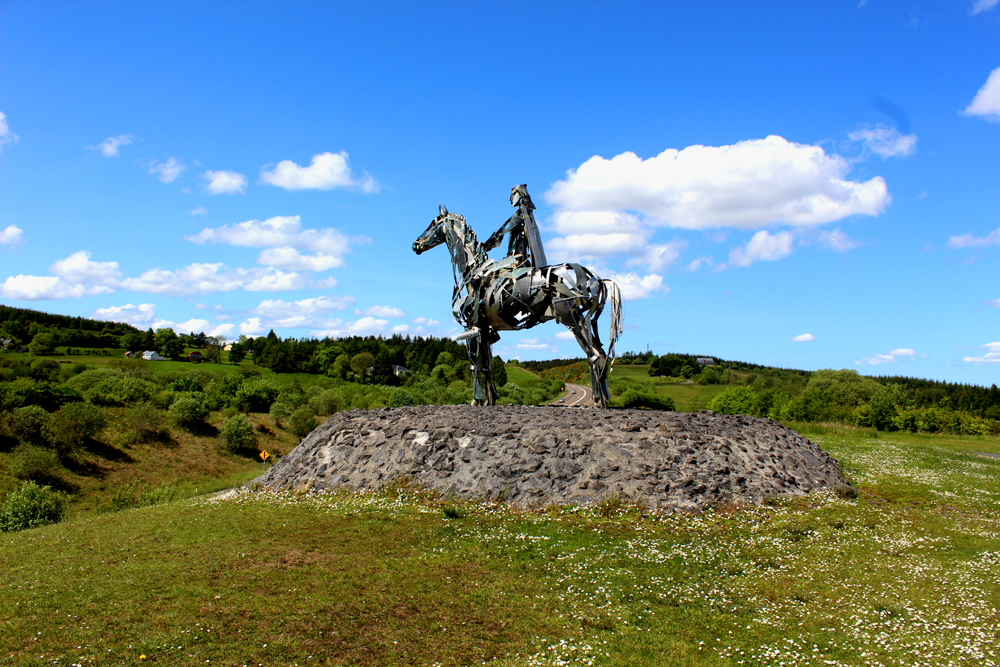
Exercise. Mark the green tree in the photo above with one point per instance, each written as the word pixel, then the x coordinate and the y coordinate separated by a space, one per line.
pixel 42 344
pixel 382 370
pixel 499 372
pixel 360 363
pixel 340 368
pixel 168 343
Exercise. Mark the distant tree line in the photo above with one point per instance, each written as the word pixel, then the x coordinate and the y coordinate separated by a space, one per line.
pixel 22 325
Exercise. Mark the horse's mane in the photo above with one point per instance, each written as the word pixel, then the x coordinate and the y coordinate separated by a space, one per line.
pixel 470 237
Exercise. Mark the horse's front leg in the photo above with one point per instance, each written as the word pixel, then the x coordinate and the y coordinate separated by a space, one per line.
pixel 596 358
pixel 484 392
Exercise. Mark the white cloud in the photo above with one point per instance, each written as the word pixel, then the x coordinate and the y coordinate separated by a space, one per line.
pixel 534 344
pixel 225 182
pixel 747 185
pixel 986 103
pixel 366 326
pixel 193 325
pixel 303 313
pixel 11 235
pixel 326 283
pixel 967 240
pixel 991 357
pixel 400 328
pixel 705 261
pixel 198 211
pixel 982 6
pixel 277 232
pixel 658 256
pixel 890 357
pixel 763 246
pixel 382 311
pixel 885 142
pixel 214 277
pixel 988 358
pixel 565 335
pixel 251 327
pixel 79 269
pixel 6 136
pixel 425 321
pixel 140 315
pixel 227 331
pixel 837 240
pixel 326 172
pixel 289 258
pixel 633 286
pixel 168 170
pixel 803 338
pixel 596 244
pixel 45 288
pixel 109 147
pixel 273 280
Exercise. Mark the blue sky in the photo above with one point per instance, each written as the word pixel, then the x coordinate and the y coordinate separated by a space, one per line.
pixel 808 185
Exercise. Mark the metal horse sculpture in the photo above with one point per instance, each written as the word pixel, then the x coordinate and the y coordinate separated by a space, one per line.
pixel 507 295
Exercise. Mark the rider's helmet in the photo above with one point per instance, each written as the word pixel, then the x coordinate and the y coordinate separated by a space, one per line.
pixel 518 193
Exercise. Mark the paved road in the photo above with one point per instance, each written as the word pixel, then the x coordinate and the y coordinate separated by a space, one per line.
pixel 584 396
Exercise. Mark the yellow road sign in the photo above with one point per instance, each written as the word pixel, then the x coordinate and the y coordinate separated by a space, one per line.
pixel 264 455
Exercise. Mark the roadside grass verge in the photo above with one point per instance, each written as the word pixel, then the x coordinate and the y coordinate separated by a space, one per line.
pixel 904 574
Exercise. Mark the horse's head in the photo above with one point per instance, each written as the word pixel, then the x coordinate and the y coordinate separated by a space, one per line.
pixel 437 232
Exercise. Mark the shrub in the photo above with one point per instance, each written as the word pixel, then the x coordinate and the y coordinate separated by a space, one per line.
pixel 511 391
pixel 31 506
pixel 73 424
pixel 635 399
pixel 143 423
pixel 188 412
pixel 27 391
pixel 302 422
pixel 255 396
pixel 30 424
pixel 327 402
pixel 400 397
pixel 237 434
pixel 735 401
pixel 280 411
pixel 28 461
pixel 89 379
pixel 122 390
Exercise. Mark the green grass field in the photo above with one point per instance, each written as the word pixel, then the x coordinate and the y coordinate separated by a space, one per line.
pixel 687 397
pixel 904 574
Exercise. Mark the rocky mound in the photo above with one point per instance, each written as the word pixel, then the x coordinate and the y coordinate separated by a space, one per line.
pixel 540 455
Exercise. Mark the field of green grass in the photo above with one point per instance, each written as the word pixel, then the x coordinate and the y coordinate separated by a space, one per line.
pixel 903 574
pixel 691 397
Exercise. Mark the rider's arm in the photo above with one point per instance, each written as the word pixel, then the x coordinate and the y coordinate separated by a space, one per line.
pixel 494 241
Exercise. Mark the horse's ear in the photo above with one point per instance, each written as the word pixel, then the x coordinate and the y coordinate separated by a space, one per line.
pixel 441 210
pixel 446 210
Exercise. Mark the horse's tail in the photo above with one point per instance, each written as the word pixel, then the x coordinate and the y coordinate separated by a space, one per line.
pixel 617 311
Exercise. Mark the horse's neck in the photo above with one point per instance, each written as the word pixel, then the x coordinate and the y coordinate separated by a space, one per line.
pixel 464 249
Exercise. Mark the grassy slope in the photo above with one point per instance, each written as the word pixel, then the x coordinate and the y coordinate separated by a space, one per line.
pixel 904 574
pixel 192 463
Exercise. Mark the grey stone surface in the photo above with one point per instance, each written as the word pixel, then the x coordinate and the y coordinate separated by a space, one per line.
pixel 540 455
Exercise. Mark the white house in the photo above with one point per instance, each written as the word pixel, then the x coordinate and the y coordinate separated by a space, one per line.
pixel 149 355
